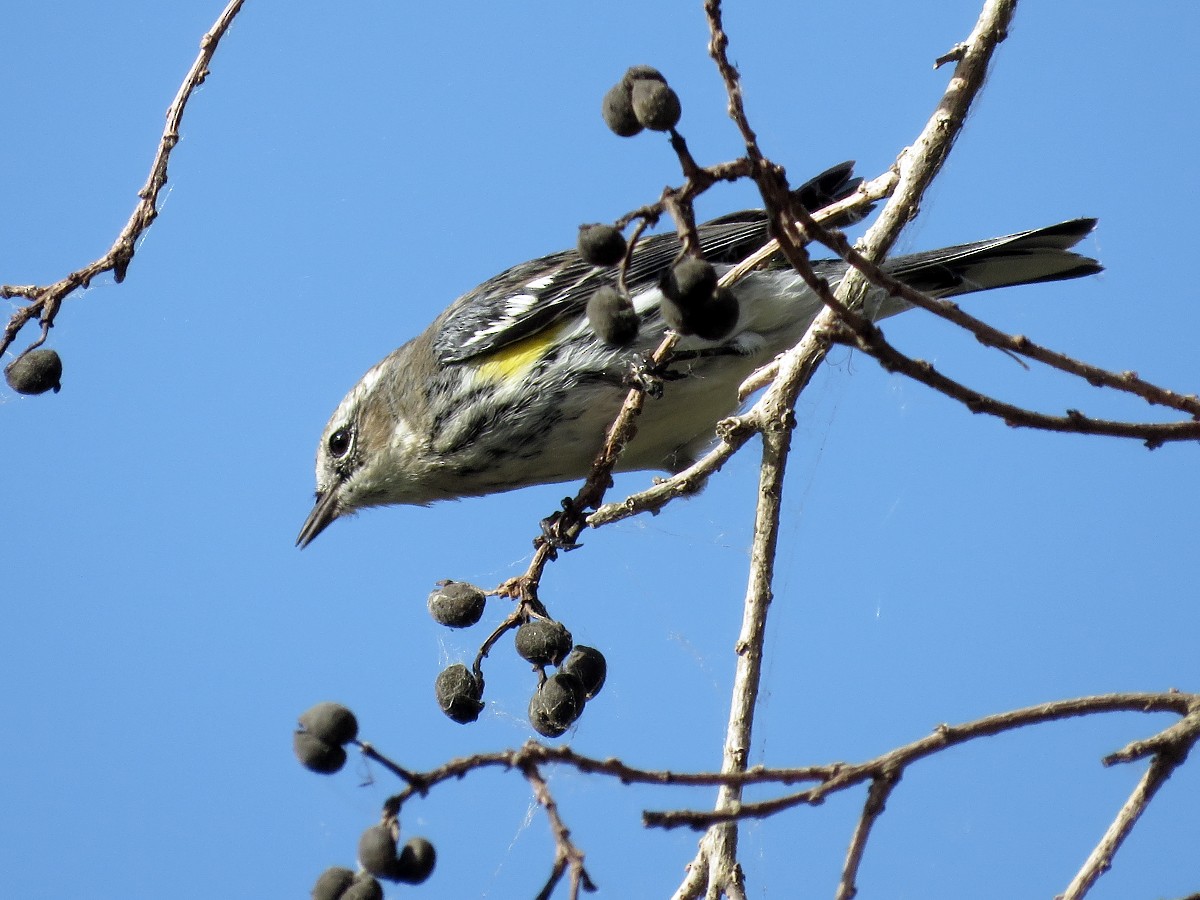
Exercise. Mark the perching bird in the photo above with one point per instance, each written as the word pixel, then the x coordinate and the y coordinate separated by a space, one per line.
pixel 511 386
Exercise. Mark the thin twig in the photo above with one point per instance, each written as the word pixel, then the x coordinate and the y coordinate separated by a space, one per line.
pixel 943 737
pixel 773 412
pixel 869 338
pixel 988 335
pixel 568 858
pixel 1170 748
pixel 877 796
pixel 46 301
pixel 1100 859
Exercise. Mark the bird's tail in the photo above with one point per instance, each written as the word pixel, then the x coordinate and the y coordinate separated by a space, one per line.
pixel 1030 257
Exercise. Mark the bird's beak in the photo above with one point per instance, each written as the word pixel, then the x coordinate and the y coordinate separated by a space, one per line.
pixel 320 518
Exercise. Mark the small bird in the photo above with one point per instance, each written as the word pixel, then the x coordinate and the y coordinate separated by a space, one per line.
pixel 511 386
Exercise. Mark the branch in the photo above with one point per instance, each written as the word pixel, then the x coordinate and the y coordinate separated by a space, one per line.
pixel 881 789
pixel 1169 748
pixel 989 336
pixel 944 737
pixel 567 856
pixel 869 338
pixel 773 413
pixel 46 301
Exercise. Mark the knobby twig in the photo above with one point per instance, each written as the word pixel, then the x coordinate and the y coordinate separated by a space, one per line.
pixel 568 858
pixel 1168 749
pixel 46 301
pixel 881 789
pixel 1170 744
pixel 773 412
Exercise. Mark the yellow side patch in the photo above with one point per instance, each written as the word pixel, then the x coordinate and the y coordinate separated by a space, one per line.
pixel 518 358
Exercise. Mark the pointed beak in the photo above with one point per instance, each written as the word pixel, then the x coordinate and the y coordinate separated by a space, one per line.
pixel 320 518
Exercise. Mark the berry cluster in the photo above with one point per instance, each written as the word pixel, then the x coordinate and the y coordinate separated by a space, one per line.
pixel 319 743
pixel 692 301
pixel 641 99
pixel 559 698
pixel 379 853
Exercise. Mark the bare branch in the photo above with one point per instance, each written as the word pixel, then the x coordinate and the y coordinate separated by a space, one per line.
pixel 568 858
pixel 881 789
pixel 46 301
pixel 869 338
pixel 1170 748
pixel 773 413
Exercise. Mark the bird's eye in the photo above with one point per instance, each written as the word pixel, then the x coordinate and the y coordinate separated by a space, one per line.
pixel 339 443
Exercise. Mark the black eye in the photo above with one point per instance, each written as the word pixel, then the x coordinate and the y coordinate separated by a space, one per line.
pixel 339 443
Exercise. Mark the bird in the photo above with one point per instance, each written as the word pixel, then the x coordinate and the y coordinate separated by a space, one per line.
pixel 511 386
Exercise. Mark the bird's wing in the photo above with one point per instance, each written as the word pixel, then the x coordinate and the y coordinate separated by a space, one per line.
pixel 534 296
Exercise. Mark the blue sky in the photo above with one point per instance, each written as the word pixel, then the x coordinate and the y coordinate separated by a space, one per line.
pixel 341 178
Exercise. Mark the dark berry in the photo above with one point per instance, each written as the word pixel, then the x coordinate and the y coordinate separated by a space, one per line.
pixel 717 319
pixel 617 109
pixel 655 105
pixel 365 887
pixel 675 317
pixel 601 245
pixel 457 604
pixel 691 282
pixel 316 755
pixel 556 703
pixel 377 850
pixel 589 666
pixel 331 722
pixel 332 883
pixel 458 693
pixel 35 372
pixel 612 316
pixel 417 860
pixel 636 73
pixel 543 642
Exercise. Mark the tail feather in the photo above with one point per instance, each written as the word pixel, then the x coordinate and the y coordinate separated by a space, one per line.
pixel 1029 257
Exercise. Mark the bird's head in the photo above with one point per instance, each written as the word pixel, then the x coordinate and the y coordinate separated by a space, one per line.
pixel 369 453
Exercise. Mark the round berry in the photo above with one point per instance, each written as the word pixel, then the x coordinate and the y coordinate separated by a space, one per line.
pixel 417 860
pixel 589 666
pixel 316 755
pixel 365 887
pixel 332 883
pixel 655 105
pixel 458 693
pixel 35 372
pixel 601 245
pixel 715 320
pixel 331 722
pixel 633 73
pixel 617 109
pixel 543 642
pixel 377 850
pixel 691 282
pixel 675 318
pixel 457 604
pixel 612 316
pixel 556 703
